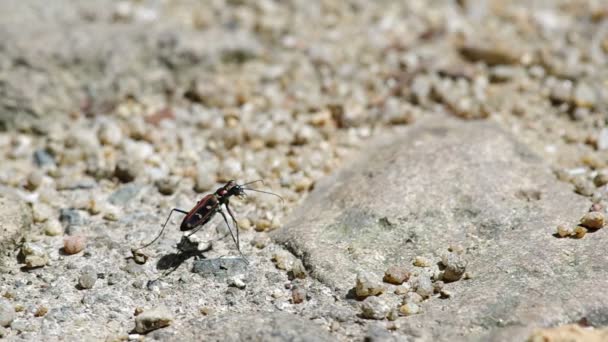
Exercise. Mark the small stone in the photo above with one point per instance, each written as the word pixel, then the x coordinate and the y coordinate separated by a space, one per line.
pixel 138 310
pixel 43 158
pixel 403 289
pixel 374 308
pixel 283 260
pixel 396 275
pixel 409 309
pixel 564 231
pixel 126 170
pixel 153 319
pixel 367 285
pixel 262 225
pixel 455 267
pixel 71 217
pixel 298 295
pixel 41 311
pixel 205 181
pixel 393 315
pixel 34 179
pixel 41 212
pixel 205 310
pixel 138 256
pixel 35 256
pixel 584 95
pixel 579 232
pixel 166 186
pixel 602 141
pixel 111 212
pixel 244 224
pixel 109 134
pixel 593 220
pixel 583 187
pixel 297 270
pixel 569 333
pixel 438 286
pixel 423 286
pixel 74 244
pixel 124 194
pixel 601 179
pixel 421 261
pixel 7 313
pixel 87 278
pixel 236 282
pixel 260 241
pixel 53 227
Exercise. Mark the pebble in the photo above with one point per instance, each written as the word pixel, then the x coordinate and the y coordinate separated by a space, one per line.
pixel 87 278
pixel 35 256
pixel 111 212
pixel 396 275
pixel 204 181
pixel 166 186
pixel 374 308
pixel 41 212
pixel 393 315
pixel 7 313
pixel 42 158
pixel 423 286
pixel 298 295
pixel 125 194
pixel 455 266
pixel 236 282
pixel 53 227
pixel 602 140
pixel 71 217
pixel 297 270
pixel 109 133
pixel 260 241
pixel 244 224
pixel 262 224
pixel 579 232
pixel 584 95
pixel 367 285
pixel 34 180
pixel 126 170
pixel 564 231
pixel 153 319
pixel 403 289
pixel 74 244
pixel 421 261
pixel 283 260
pixel 593 220
pixel 409 309
pixel 583 187
pixel 41 311
pixel 601 179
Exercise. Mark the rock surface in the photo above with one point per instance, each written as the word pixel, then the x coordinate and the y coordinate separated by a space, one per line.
pixel 448 183
pixel 15 219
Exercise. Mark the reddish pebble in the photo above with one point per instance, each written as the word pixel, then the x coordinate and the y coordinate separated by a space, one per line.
pixel 74 244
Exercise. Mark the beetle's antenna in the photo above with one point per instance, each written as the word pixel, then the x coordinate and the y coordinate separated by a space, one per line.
pixel 267 192
pixel 255 181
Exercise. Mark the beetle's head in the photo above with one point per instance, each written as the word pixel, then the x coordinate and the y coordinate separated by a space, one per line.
pixel 231 189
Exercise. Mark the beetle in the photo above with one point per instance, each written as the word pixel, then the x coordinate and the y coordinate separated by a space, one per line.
pixel 207 207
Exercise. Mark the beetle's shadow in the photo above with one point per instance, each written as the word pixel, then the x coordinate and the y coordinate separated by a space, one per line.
pixel 173 261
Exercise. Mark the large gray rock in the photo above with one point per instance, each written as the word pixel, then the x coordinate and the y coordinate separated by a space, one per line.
pixel 255 326
pixel 449 183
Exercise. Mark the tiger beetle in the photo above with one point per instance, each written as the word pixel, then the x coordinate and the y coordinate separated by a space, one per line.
pixel 205 210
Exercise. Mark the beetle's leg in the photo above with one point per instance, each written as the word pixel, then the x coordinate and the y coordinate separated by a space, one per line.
pixel 238 241
pixel 162 229
pixel 233 238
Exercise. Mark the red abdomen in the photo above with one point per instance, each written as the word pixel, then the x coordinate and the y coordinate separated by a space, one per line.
pixel 201 213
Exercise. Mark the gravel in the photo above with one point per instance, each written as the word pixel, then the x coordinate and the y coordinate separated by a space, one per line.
pixel 153 319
